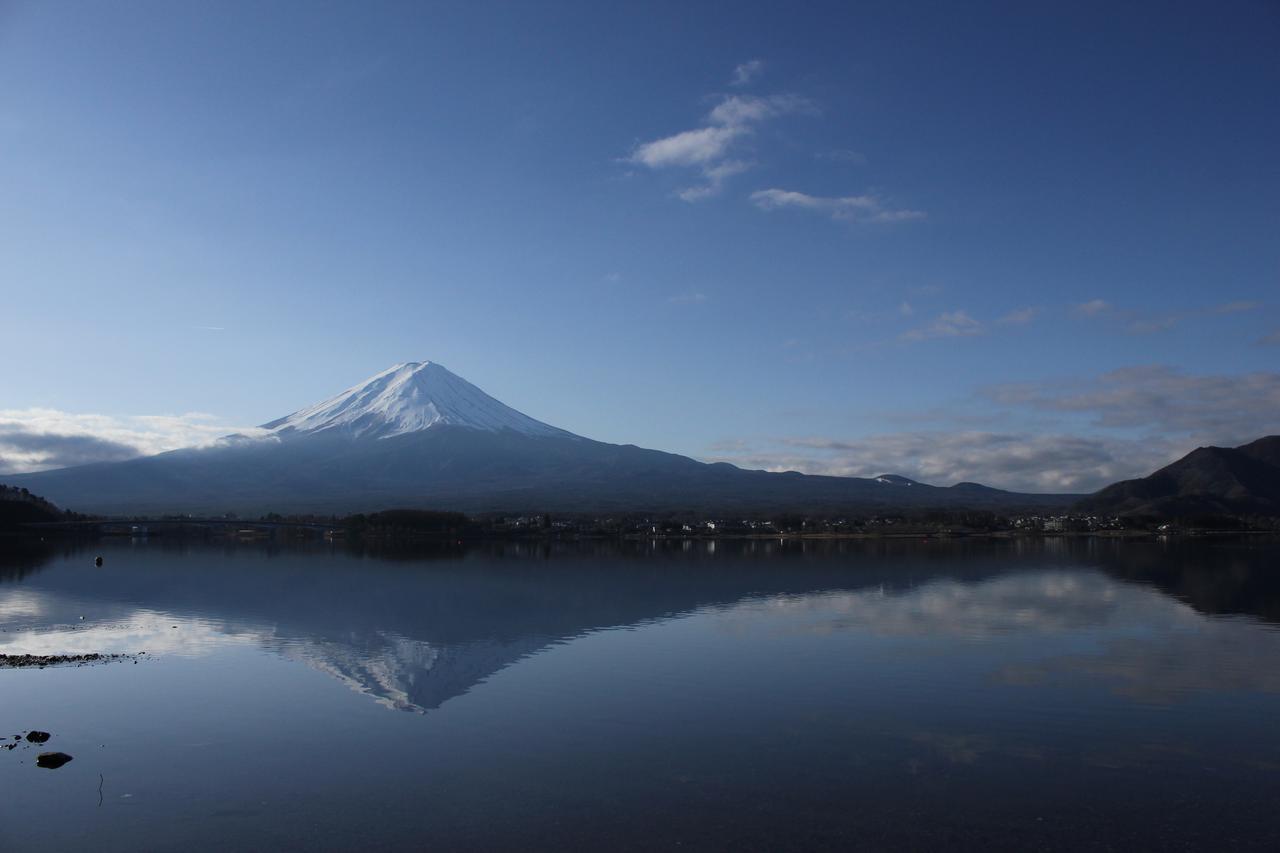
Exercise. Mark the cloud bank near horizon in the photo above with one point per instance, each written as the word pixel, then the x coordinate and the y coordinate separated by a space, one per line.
pixel 1084 434
pixel 42 439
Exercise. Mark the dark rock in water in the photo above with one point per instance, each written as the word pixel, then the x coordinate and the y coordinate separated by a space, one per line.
pixel 52 760
pixel 37 737
pixel 97 561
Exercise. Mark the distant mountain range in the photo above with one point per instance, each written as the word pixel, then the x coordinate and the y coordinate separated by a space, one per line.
pixel 1236 481
pixel 417 435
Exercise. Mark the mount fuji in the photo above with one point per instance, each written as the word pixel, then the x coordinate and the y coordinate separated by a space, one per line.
pixel 417 435
pixel 410 397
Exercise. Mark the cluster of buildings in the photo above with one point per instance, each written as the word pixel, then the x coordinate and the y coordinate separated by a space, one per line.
pixel 1066 523
pixel 715 526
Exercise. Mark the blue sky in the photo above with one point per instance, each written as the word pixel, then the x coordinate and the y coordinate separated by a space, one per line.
pixel 1032 244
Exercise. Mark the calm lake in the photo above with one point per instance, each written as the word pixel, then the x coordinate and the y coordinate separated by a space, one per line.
pixel 1055 694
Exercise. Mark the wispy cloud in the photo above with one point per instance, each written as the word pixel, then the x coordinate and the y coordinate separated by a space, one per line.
pixel 747 72
pixel 1151 325
pixel 957 323
pixel 690 298
pixel 1272 339
pixel 1149 322
pixel 1019 317
pixel 855 208
pixel 709 148
pixel 1238 307
pixel 950 324
pixel 844 155
pixel 716 176
pixel 1218 409
pixel 37 439
pixel 1093 307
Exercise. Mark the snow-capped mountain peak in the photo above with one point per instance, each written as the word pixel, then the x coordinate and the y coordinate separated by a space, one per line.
pixel 409 397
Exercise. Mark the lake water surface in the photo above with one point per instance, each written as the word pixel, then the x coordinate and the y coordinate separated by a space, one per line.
pixel 1057 694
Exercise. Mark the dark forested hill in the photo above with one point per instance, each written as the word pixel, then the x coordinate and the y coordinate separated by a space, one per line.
pixel 18 506
pixel 1238 481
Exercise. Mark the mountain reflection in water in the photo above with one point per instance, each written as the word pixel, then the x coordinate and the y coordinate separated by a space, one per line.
pixel 414 629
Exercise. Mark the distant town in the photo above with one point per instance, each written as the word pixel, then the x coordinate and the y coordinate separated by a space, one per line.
pixel 425 525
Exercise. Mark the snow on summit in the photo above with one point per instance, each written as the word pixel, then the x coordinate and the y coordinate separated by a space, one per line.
pixel 409 397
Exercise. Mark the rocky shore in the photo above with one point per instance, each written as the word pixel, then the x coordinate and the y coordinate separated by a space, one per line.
pixel 41 661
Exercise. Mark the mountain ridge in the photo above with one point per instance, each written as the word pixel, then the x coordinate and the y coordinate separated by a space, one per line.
pixel 417 435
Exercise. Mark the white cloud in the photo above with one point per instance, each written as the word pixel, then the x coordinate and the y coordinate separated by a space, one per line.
pixel 951 324
pixel 718 150
pixel 688 148
pixel 747 72
pixel 37 439
pixel 857 208
pixel 709 148
pixel 690 298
